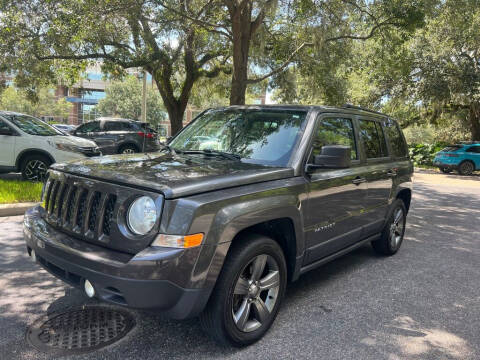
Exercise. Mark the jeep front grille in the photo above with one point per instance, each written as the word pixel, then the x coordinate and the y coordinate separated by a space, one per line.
pixel 94 211
pixel 78 209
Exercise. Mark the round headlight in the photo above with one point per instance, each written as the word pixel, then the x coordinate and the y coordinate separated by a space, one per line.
pixel 142 215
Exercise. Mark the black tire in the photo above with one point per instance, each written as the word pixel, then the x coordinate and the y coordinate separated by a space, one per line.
pixel 445 170
pixel 466 168
pixel 218 317
pixel 34 167
pixel 392 237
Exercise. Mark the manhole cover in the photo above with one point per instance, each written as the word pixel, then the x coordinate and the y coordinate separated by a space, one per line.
pixel 79 330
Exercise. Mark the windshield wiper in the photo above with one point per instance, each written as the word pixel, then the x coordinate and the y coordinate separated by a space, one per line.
pixel 223 154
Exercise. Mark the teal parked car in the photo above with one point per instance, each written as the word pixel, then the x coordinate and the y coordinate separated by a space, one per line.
pixel 464 157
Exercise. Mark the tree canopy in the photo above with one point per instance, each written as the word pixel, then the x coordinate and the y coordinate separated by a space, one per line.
pixel 182 42
pixel 45 103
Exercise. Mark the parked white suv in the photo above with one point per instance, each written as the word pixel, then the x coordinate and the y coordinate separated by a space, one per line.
pixel 30 145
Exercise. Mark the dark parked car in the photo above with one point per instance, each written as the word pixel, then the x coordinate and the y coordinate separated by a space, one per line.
pixel 242 201
pixel 119 136
pixel 66 128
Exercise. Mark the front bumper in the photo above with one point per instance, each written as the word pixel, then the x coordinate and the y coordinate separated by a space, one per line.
pixel 136 281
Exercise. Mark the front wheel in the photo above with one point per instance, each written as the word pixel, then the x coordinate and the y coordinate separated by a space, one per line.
pixel 392 235
pixel 248 292
pixel 34 167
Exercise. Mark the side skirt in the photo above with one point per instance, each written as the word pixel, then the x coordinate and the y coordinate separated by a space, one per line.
pixel 338 254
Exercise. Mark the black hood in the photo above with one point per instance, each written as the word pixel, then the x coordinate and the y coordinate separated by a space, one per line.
pixel 174 175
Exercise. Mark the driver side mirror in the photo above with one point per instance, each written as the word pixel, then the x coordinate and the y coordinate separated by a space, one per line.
pixel 332 157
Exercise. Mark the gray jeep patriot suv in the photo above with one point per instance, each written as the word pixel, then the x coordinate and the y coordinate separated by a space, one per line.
pixel 241 201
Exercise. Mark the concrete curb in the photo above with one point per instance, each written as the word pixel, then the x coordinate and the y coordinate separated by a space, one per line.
pixel 15 209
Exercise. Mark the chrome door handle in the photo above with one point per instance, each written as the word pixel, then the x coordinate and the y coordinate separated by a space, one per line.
pixel 358 180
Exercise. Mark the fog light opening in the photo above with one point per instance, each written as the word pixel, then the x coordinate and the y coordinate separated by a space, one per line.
pixel 89 290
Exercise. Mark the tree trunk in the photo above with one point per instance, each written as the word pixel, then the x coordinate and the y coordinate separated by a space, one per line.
pixel 241 33
pixel 474 117
pixel 175 115
pixel 175 107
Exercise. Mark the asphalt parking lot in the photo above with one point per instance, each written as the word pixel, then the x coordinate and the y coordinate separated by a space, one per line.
pixel 423 303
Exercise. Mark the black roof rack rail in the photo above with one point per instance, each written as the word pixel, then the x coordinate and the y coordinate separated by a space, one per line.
pixel 350 106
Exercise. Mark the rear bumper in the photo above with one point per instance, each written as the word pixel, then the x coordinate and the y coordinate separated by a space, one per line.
pixel 151 146
pixel 439 164
pixel 117 277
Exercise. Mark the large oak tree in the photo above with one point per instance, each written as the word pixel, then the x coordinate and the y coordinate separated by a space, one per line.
pixel 42 39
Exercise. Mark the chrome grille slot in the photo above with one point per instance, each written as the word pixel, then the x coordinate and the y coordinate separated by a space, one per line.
pixel 53 197
pixel 92 219
pixel 108 216
pixel 70 205
pixel 82 202
pixel 61 199
pixel 48 193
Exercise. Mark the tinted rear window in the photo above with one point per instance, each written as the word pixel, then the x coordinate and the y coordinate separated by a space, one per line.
pixel 118 126
pixel 452 148
pixel 373 139
pixel 397 143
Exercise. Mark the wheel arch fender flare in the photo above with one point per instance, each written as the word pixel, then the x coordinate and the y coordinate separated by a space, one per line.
pixel 231 220
pixel 127 143
pixel 31 151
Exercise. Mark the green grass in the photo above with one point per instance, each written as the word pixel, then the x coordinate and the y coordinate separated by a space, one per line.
pixel 14 191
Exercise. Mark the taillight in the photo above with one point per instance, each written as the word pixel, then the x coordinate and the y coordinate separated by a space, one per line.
pixel 146 135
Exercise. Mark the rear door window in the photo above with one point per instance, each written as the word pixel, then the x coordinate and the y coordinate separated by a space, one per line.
pixel 397 144
pixel 115 126
pixel 93 126
pixel 373 139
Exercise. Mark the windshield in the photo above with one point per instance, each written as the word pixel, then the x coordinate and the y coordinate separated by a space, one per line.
pixel 257 136
pixel 33 126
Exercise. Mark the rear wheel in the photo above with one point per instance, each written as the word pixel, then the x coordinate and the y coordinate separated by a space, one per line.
pixel 466 168
pixel 128 149
pixel 248 292
pixel 392 235
pixel 445 170
pixel 34 167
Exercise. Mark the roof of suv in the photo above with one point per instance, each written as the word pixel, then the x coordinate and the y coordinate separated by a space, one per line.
pixel 345 108
pixel 106 118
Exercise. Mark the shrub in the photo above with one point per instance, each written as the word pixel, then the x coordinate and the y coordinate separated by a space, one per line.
pixel 423 154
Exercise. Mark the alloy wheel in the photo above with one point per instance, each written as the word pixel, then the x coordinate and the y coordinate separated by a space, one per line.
pixel 128 151
pixel 467 168
pixel 396 228
pixel 35 170
pixel 256 293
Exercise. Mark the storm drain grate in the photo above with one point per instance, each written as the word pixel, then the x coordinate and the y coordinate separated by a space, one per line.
pixel 79 330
